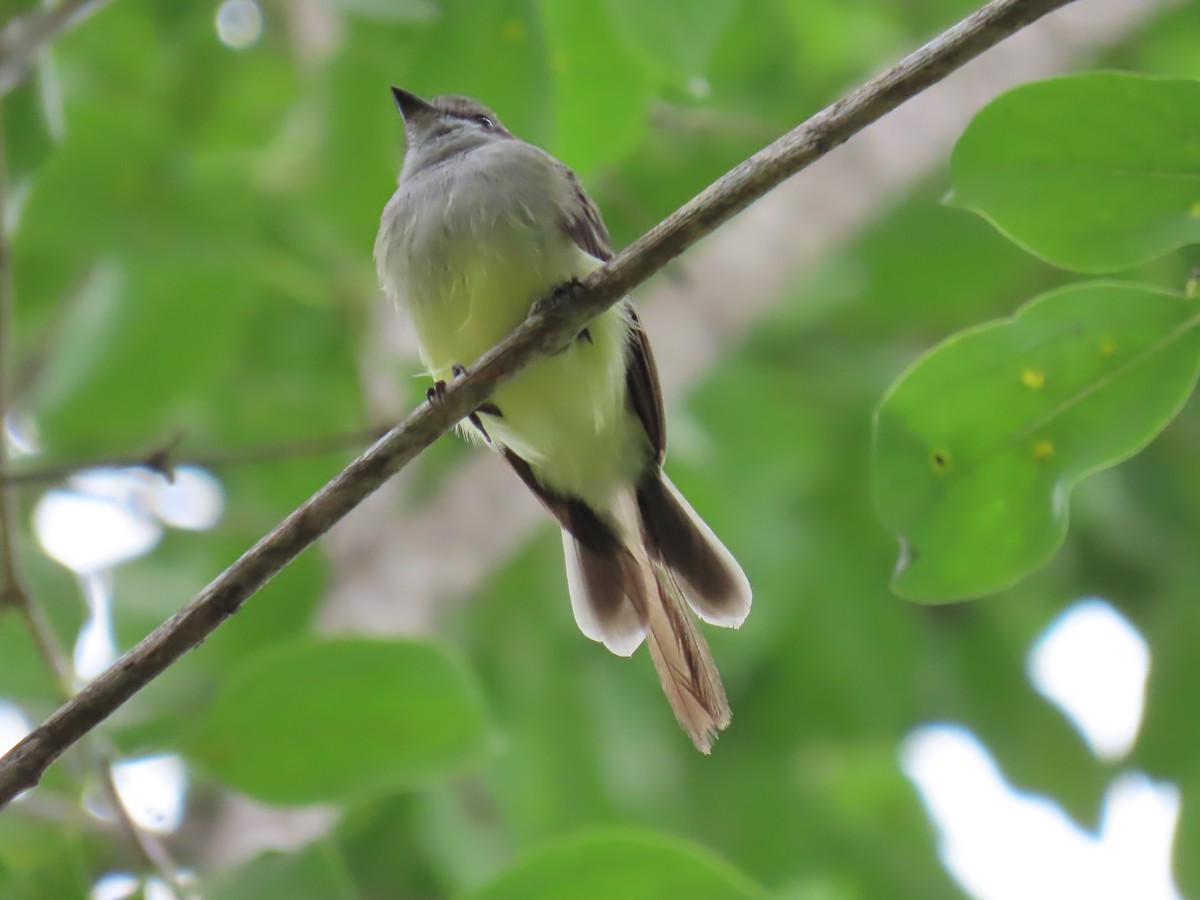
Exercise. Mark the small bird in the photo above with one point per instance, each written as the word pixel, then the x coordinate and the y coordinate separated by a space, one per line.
pixel 481 227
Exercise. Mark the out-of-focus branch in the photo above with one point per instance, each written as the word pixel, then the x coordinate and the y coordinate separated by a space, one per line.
pixel 24 37
pixel 14 594
pixel 149 847
pixel 54 657
pixel 162 459
pixel 554 324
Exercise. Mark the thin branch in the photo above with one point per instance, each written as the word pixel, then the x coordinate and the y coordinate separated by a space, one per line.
pixel 24 37
pixel 550 327
pixel 149 847
pixel 161 459
pixel 13 592
pixel 54 657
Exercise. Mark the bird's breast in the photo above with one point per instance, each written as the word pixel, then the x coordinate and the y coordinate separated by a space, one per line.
pixel 468 247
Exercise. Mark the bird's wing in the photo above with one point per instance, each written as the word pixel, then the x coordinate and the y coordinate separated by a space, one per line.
pixel 582 221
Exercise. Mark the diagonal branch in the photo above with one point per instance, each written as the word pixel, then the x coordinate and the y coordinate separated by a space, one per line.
pixel 549 328
pixel 762 258
pixel 13 592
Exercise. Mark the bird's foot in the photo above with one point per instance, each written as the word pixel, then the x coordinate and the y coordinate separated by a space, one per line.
pixel 566 289
pixel 560 293
pixel 438 392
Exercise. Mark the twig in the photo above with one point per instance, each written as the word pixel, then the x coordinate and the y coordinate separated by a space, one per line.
pixel 13 592
pixel 162 459
pixel 149 847
pixel 551 326
pixel 24 37
pixel 55 659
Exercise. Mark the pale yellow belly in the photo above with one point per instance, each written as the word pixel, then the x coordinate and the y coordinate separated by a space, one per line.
pixel 567 416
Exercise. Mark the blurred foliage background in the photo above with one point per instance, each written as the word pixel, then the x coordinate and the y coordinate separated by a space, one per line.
pixel 193 192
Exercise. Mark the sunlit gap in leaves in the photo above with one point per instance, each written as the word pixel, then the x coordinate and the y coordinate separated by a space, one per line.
pixel 239 23
pixel 1001 844
pixel 13 729
pixel 13 725
pixel 151 789
pixel 98 520
pixel 1092 664
pixel 119 885
pixel 21 436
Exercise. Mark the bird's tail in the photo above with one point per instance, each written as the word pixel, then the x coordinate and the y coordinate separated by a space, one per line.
pixel 684 664
pixel 642 588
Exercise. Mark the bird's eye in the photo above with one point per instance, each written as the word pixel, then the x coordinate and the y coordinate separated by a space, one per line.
pixel 485 121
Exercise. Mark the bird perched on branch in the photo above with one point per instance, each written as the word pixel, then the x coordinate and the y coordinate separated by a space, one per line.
pixel 481 227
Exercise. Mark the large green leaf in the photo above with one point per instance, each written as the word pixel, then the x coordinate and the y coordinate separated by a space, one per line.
pixel 600 93
pixel 979 444
pixel 28 134
pixel 315 873
pixel 628 865
pixel 46 858
pixel 144 341
pixel 515 80
pixel 673 38
pixel 320 720
pixel 1096 172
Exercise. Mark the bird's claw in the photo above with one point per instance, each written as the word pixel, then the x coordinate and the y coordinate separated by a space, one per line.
pixel 560 293
pixel 438 391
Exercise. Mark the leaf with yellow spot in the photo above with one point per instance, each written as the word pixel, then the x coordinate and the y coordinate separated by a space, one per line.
pixel 1116 363
pixel 1033 378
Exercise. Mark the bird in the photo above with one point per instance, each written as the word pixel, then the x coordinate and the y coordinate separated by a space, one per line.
pixel 483 226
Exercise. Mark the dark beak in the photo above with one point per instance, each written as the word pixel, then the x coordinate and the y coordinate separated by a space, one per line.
pixel 409 104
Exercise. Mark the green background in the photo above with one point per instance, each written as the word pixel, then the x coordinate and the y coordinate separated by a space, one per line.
pixel 193 253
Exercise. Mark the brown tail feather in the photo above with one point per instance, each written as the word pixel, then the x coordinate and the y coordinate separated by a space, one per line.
pixel 681 657
pixel 708 577
pixel 623 591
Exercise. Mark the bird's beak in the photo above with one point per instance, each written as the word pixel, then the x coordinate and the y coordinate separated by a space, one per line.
pixel 409 104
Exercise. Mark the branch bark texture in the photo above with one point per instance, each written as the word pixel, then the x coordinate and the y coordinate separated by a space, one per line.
pixel 553 326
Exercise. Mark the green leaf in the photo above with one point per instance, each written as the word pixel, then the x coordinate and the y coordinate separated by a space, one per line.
pixel 631 865
pixel 1095 172
pixel 515 81
pixel 29 137
pixel 315 873
pixel 390 10
pixel 46 859
pixel 324 720
pixel 142 343
pixel 978 445
pixel 600 92
pixel 673 38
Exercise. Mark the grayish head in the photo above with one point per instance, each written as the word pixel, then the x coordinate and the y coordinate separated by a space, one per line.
pixel 438 129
